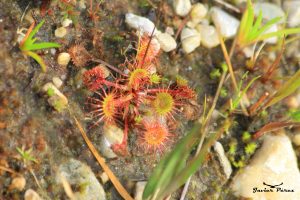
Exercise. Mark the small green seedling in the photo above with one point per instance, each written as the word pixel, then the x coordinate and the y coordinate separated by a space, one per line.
pixel 26 155
pixel 28 45
pixel 252 31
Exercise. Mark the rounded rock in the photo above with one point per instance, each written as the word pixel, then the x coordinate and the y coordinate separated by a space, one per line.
pixel 60 32
pixel 66 22
pixel 190 39
pixel 166 41
pixel 182 7
pixel 198 12
pixel 209 35
pixel 63 59
pixel 18 183
pixel 227 24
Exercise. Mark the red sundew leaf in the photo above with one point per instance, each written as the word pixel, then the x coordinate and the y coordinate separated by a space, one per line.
pixel 273 126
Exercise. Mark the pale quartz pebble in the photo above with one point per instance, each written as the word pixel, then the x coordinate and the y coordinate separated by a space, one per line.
pixel 170 30
pixel 166 41
pixel 227 24
pixel 292 102
pixel 198 12
pixel 104 177
pixel 66 22
pixel 209 35
pixel 296 139
pixel 274 163
pixel 18 183
pixel 81 5
pixel 142 24
pixel 30 194
pixel 111 135
pixel 292 7
pixel 57 81
pixel 223 159
pixel 182 7
pixel 63 59
pixel 139 189
pixel 190 39
pixel 60 32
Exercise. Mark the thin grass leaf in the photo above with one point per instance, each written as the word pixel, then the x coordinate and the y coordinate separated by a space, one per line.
pixel 237 100
pixel 287 89
pixel 38 59
pixel 35 30
pixel 264 28
pixel 43 45
pixel 280 33
pixel 196 162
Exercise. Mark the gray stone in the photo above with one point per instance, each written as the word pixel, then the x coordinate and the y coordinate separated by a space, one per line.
pixel 273 164
pixel 79 174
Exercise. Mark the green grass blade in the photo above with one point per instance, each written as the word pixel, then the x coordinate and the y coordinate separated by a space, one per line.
pixel 250 18
pixel 287 89
pixel 266 27
pixel 43 45
pixel 35 30
pixel 240 96
pixel 196 162
pixel 38 59
pixel 255 28
pixel 280 33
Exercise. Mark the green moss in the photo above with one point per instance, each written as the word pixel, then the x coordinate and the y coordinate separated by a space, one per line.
pixel 223 93
pixel 215 74
pixel 250 148
pixel 50 92
pixel 246 136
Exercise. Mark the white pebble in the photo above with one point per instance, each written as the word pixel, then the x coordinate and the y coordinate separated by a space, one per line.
pixel 63 59
pixel 60 32
pixel 18 183
pixel 296 139
pixel 198 12
pixel 166 41
pixel 182 7
pixel 223 159
pixel 57 81
pixel 67 22
pixel 30 194
pixel 190 39
pixel 104 178
pixel 209 35
pixel 143 24
pixel 139 189
pixel 227 24
pixel 293 9
pixel 274 163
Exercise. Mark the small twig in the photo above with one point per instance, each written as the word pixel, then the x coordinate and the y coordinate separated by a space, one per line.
pixel 119 187
pixel 110 66
pixel 227 5
pixel 230 68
